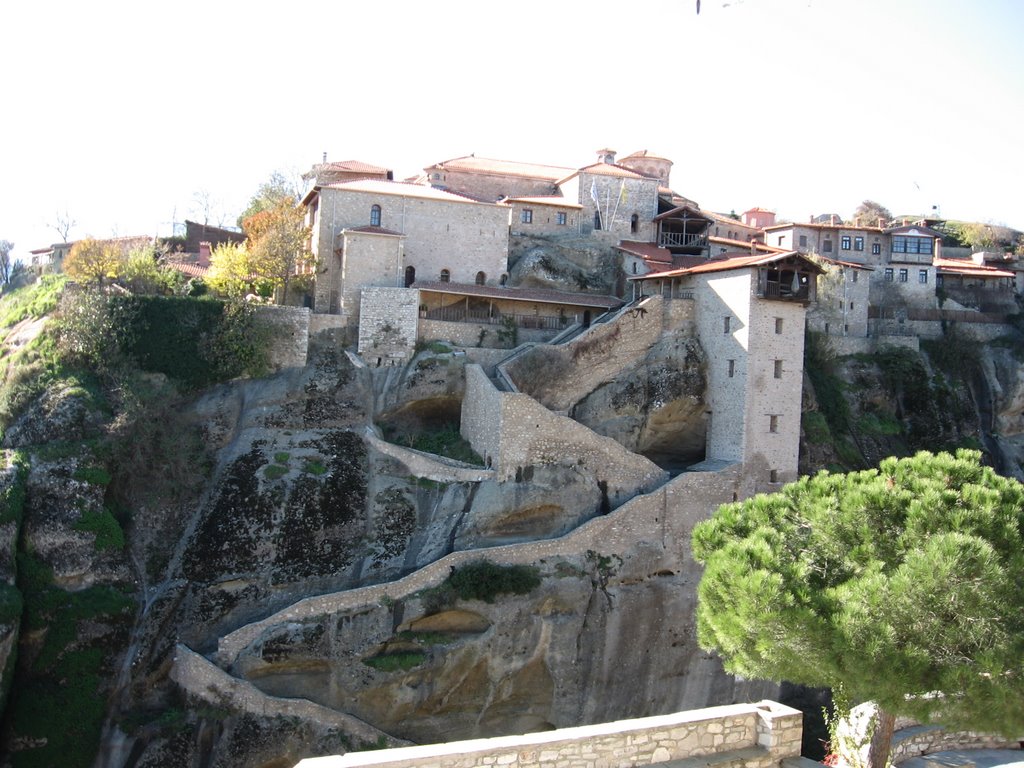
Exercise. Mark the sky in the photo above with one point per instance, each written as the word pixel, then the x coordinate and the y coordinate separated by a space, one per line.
pixel 126 115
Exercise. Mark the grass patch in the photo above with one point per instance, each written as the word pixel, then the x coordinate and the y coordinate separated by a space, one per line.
pixel 314 467
pixel 93 475
pixel 34 300
pixel 104 525
pixel 816 428
pixel 445 441
pixel 878 425
pixel 282 457
pixel 275 471
pixel 395 662
pixel 437 347
pixel 428 638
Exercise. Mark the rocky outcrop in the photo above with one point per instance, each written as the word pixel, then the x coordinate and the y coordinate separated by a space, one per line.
pixel 563 264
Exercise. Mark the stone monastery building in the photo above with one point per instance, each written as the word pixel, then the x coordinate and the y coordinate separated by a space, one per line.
pixel 487 253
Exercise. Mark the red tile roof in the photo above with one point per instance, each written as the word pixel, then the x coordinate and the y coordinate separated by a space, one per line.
pixel 969 268
pixel 606 169
pixel 840 262
pixel 745 244
pixel 520 294
pixel 647 251
pixel 501 167
pixel 645 153
pixel 729 263
pixel 190 269
pixel 352 166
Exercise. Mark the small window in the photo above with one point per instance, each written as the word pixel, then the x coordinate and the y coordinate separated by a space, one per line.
pixel 803 241
pixel 782 239
pixel 634 267
pixel 526 216
pixel 726 322
pixel 597 219
pixel 375 216
pixel 634 223
pixel 826 329
pixel 481 278
pixel 773 476
pixel 732 368
pixel 778 325
pixel 903 275
pixel 446 276
pixel 773 423
pixel 826 247
pixel 844 242
pixel 560 218
pixel 888 274
pixel 858 243
pixel 778 369
pixel 922 276
pixel 876 248
pixel 854 274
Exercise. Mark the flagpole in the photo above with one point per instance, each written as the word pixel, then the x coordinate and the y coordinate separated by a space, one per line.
pixel 622 188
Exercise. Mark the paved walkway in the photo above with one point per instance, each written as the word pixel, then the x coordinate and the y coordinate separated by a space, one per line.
pixel 969 758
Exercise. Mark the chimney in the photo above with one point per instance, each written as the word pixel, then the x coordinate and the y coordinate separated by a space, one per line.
pixel 204 255
pixel 810 219
pixel 856 221
pixel 325 158
pixel 832 219
pixel 753 247
pixel 606 155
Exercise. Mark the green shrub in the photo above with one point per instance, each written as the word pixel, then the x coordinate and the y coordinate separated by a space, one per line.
pixel 445 441
pixel 816 428
pixel 314 467
pixel 282 457
pixel 484 580
pixel 102 522
pixel 879 425
pixel 275 471
pixel 92 475
pixel 12 500
pixel 394 662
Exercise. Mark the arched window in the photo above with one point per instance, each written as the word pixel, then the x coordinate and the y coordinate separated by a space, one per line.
pixel 446 276
pixel 634 223
pixel 481 278
pixel 597 219
pixel 504 279
pixel 410 276
pixel 375 216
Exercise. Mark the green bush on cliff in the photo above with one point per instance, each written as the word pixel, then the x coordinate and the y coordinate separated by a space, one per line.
pixel 484 580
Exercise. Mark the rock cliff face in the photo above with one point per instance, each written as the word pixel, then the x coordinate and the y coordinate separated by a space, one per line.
pixel 314 561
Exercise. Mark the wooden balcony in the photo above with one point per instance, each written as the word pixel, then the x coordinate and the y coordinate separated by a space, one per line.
pixel 682 240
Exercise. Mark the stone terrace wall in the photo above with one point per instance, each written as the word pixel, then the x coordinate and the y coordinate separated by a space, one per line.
pixel 387 325
pixel 436 468
pixel 289 332
pixel 468 334
pixel 512 431
pixel 910 738
pixel 212 684
pixel 757 735
pixel 689 497
pixel 559 376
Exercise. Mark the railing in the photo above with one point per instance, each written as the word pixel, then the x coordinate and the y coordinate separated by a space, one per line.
pixel 462 315
pixel 780 291
pixel 682 240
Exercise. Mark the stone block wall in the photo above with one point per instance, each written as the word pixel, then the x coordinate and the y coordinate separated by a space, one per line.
pixel 387 325
pixel 512 431
pixel 758 735
pixel 477 334
pixel 910 738
pixel 289 333
pixel 368 260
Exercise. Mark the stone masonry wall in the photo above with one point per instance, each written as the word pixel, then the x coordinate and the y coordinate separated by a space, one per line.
pixel 689 497
pixel 387 325
pixel 289 334
pixel 512 431
pixel 602 352
pixel 759 735
pixel 469 334
pixel 910 738
pixel 368 260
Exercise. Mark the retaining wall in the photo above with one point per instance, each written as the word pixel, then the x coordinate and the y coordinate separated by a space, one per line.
pixel 429 466
pixel 289 333
pixel 753 735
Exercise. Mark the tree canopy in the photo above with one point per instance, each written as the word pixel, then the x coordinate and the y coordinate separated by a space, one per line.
pixel 903 584
pixel 91 261
pixel 277 243
pixel 871 214
pixel 276 190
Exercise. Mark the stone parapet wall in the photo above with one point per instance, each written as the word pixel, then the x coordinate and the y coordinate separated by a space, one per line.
pixel 289 333
pixel 512 431
pixel 688 496
pixel 910 738
pixel 429 466
pixel 477 334
pixel 318 323
pixel 756 735
pixel 208 682
pixel 932 329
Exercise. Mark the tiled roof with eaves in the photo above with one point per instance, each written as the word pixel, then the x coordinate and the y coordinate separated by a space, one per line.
pixel 647 251
pixel 969 269
pixel 556 200
pixel 501 167
pixel 403 189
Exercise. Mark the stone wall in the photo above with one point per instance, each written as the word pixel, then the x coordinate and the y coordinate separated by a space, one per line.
pixel 427 465
pixel 758 735
pixel 387 325
pixel 368 259
pixel 512 431
pixel 289 333
pixel 544 218
pixel 910 738
pixel 210 683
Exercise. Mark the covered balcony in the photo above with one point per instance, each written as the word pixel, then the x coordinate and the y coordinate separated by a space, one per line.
pixel 683 231
pixel 793 279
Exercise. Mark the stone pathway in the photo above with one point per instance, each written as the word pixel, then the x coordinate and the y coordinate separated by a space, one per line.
pixel 969 758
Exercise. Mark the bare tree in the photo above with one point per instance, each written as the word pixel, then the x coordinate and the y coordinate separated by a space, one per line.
pixel 63 224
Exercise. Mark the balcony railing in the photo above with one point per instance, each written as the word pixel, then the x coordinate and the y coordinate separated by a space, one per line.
pixel 785 292
pixel 682 240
